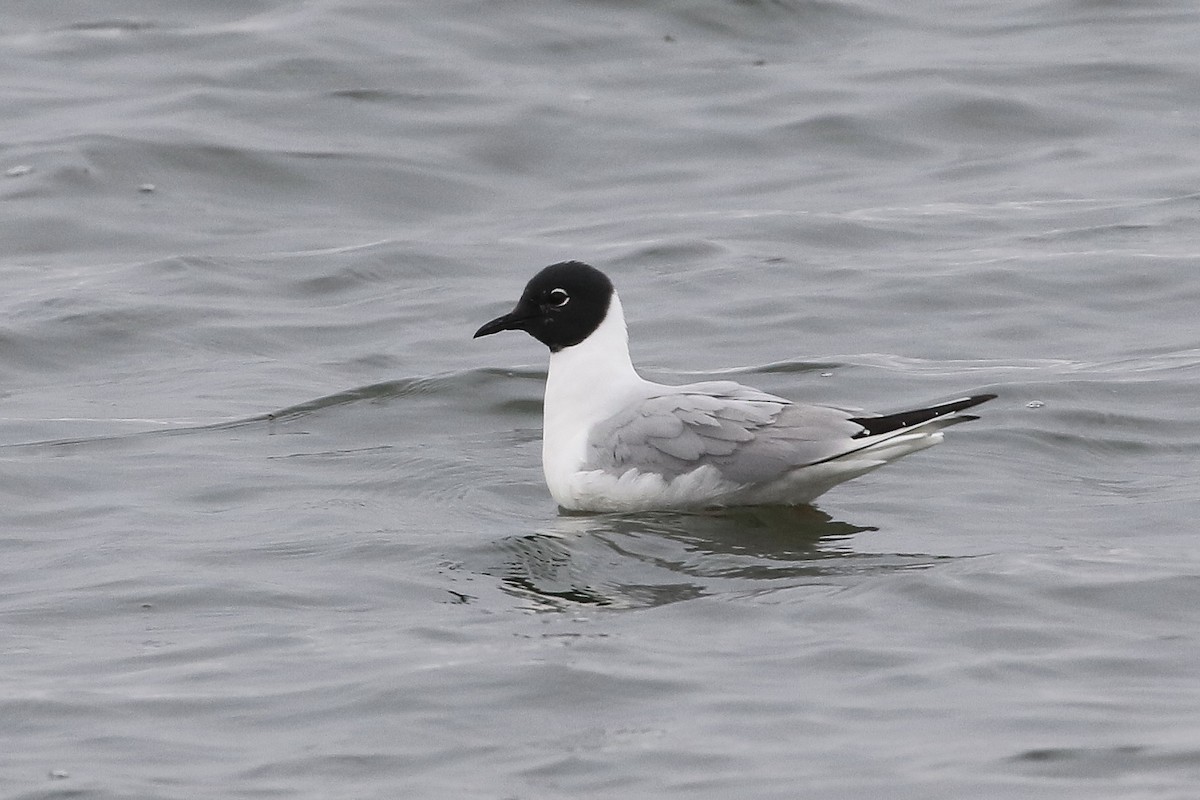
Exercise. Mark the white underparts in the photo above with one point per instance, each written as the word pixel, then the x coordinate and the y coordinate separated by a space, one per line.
pixel 592 381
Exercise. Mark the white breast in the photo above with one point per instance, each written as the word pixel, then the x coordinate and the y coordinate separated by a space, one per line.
pixel 586 384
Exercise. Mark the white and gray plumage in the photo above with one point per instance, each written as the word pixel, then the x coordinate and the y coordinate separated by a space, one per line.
pixel 616 442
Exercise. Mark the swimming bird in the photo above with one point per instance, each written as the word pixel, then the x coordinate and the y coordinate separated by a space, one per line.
pixel 612 441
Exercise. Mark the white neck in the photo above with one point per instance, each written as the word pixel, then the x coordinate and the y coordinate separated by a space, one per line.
pixel 587 383
pixel 602 359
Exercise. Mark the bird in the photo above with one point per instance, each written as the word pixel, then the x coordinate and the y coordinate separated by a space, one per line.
pixel 615 442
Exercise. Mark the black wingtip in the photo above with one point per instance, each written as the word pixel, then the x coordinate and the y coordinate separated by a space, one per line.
pixel 960 405
pixel 873 426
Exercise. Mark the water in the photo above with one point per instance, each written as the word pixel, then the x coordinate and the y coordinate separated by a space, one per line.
pixel 273 525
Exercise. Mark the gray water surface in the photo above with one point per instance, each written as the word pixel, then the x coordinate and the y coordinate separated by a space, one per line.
pixel 273 525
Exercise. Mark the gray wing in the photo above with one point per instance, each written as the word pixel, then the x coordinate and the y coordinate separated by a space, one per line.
pixel 750 436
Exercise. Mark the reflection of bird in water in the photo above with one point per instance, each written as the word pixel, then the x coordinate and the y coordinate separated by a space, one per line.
pixel 658 558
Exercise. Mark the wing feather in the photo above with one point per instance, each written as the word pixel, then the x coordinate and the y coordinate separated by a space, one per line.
pixel 748 435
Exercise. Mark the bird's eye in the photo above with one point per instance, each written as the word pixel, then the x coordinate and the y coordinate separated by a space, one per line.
pixel 557 298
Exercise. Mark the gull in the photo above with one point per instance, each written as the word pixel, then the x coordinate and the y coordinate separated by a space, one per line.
pixel 615 442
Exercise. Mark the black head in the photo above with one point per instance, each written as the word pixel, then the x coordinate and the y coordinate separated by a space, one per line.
pixel 560 307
